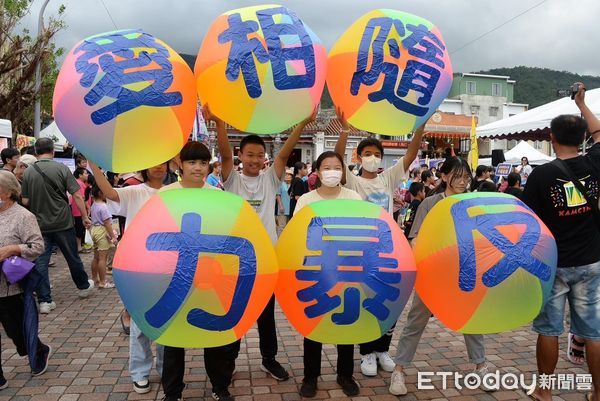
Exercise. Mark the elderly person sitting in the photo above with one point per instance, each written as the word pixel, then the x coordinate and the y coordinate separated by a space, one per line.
pixel 19 236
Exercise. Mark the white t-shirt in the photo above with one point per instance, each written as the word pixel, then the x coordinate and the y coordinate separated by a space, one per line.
pixel 177 185
pixel 525 172
pixel 131 200
pixel 260 192
pixel 313 196
pixel 379 190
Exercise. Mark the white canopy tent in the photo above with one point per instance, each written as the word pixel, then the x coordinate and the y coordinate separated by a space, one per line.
pixel 5 128
pixel 524 149
pixel 54 133
pixel 534 124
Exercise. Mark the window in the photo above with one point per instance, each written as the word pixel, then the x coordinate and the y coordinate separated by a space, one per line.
pixel 475 110
pixel 494 111
pixel 496 90
pixel 471 88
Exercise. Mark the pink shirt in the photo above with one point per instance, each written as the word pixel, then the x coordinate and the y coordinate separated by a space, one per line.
pixel 74 209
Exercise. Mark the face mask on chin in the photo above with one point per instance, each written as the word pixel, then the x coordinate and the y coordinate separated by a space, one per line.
pixel 371 163
pixel 331 178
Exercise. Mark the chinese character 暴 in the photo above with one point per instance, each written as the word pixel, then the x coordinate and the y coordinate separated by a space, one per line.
pixel 244 49
pixel 189 243
pixel 126 58
pixel 583 381
pixel 350 252
pixel 420 76
pixel 515 255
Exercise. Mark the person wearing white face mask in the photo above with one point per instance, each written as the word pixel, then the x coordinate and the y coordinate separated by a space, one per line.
pixel 377 188
pixel 330 170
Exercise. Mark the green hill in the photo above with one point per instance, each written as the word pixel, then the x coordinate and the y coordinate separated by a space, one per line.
pixel 537 86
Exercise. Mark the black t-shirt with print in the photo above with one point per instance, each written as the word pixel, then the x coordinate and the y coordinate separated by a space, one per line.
pixel 410 216
pixel 555 199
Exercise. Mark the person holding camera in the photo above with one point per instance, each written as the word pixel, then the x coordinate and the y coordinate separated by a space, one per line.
pixel 564 194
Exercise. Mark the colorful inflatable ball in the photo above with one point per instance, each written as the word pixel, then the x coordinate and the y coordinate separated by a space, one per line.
pixel 261 69
pixel 486 263
pixel 389 72
pixel 124 90
pixel 195 268
pixel 347 271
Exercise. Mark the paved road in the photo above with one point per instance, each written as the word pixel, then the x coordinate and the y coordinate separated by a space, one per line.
pixel 90 359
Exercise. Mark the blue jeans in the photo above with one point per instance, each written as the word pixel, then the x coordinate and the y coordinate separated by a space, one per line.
pixel 65 240
pixel 140 354
pixel 581 286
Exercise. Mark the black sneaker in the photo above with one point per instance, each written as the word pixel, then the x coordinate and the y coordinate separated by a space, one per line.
pixel 308 388
pixel 222 395
pixel 3 383
pixel 42 361
pixel 167 398
pixel 274 368
pixel 349 386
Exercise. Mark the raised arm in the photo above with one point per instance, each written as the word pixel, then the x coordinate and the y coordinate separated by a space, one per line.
pixel 222 142
pixel 590 118
pixel 413 147
pixel 340 146
pixel 103 183
pixel 285 152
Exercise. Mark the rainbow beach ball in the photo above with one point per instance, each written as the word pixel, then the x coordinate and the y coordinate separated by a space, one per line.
pixel 347 271
pixel 124 90
pixel 261 69
pixel 486 263
pixel 389 72
pixel 195 268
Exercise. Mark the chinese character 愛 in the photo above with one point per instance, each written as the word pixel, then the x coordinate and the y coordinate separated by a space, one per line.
pixel 126 58
pixel 350 252
pixel 189 243
pixel 245 49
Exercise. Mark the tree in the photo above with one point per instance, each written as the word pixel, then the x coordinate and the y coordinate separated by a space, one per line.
pixel 19 56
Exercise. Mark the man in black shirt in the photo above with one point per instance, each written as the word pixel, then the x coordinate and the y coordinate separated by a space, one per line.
pixel 570 215
pixel 514 185
pixel 417 190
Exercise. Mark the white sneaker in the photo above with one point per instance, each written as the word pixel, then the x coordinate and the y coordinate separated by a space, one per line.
pixel 86 291
pixel 46 307
pixel 368 365
pixel 142 386
pixel 385 361
pixel 481 373
pixel 397 385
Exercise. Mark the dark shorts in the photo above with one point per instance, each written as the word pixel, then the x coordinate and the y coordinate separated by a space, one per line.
pixel 79 229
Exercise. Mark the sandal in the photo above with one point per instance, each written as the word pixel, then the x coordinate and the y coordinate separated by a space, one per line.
pixel 126 329
pixel 575 350
pixel 108 284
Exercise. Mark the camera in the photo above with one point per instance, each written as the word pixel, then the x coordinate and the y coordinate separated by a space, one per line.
pixel 574 89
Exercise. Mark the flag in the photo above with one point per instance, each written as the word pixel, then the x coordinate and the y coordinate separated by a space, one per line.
pixel 474 153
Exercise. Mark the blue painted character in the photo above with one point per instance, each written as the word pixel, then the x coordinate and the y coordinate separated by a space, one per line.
pixel 244 50
pixel 126 58
pixel 516 255
pixel 419 75
pixel 189 243
pixel 349 242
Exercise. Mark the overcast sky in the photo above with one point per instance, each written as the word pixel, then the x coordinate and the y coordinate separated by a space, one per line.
pixel 558 34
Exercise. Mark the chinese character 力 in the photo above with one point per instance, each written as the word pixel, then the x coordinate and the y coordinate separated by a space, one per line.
pixel 126 58
pixel 189 243
pixel 245 49
pixel 350 253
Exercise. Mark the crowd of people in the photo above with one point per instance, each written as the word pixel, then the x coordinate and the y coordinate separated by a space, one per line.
pixel 44 207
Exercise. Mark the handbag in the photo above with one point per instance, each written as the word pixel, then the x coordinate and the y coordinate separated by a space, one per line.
pixel 15 268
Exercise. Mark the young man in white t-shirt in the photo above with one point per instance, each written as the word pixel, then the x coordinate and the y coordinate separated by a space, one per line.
pixel 260 190
pixel 377 188
pixel 127 202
